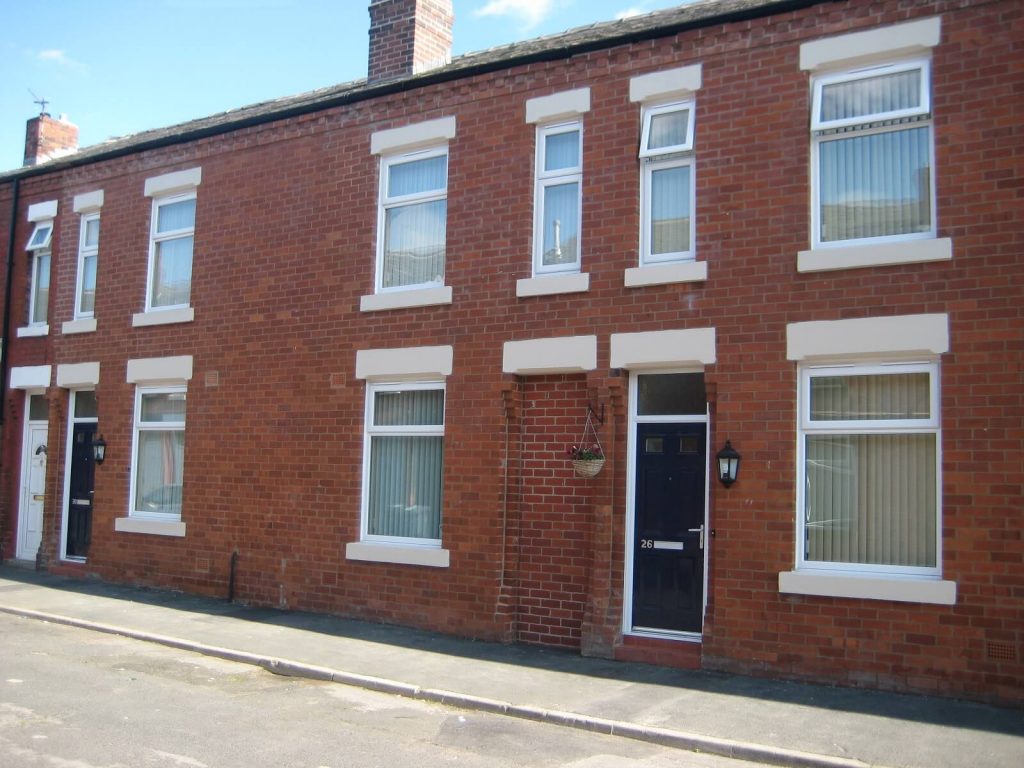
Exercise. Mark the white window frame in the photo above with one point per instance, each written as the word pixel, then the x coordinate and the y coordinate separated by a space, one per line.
pixel 86 251
pixel 806 426
pixel 386 203
pixel 39 246
pixel 155 238
pixel 824 131
pixel 545 179
pixel 138 426
pixel 370 430
pixel 664 158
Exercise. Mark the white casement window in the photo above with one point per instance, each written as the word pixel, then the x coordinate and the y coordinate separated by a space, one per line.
pixel 39 287
pixel 88 253
pixel 873 155
pixel 869 456
pixel 557 198
pixel 413 218
pixel 403 463
pixel 170 253
pixel 667 183
pixel 158 453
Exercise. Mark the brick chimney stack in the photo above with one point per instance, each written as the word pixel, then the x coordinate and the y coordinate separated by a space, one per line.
pixel 48 139
pixel 409 36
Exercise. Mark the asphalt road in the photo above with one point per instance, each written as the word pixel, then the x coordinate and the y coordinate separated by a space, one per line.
pixel 71 698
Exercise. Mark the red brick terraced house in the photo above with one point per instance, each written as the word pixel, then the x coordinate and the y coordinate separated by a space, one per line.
pixel 337 346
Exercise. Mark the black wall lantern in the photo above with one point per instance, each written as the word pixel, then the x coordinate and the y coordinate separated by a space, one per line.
pixel 728 464
pixel 99 449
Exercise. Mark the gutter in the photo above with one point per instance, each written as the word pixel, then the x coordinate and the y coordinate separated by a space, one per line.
pixel 445 75
pixel 5 342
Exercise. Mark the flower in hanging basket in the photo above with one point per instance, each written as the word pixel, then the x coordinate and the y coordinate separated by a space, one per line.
pixel 587 460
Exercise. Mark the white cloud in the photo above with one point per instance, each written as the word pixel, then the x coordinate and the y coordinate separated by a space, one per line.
pixel 530 12
pixel 630 12
pixel 58 57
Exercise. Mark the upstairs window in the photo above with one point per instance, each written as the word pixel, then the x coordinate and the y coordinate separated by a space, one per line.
pixel 413 220
pixel 873 148
pixel 39 281
pixel 88 252
pixel 170 257
pixel 667 183
pixel 559 177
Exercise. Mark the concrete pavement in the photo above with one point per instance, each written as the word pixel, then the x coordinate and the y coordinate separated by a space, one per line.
pixel 766 721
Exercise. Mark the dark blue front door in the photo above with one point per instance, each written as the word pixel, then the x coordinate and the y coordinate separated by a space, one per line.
pixel 80 491
pixel 668 540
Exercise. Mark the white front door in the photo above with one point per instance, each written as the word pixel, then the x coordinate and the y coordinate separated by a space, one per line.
pixel 33 488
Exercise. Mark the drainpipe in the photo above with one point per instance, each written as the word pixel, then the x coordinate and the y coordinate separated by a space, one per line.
pixel 5 341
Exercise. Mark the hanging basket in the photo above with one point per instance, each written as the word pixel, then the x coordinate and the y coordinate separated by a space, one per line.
pixel 587 467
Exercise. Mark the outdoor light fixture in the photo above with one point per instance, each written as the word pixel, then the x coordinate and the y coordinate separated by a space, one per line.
pixel 728 464
pixel 99 449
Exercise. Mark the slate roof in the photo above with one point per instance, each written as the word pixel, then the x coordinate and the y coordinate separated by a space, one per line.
pixel 550 47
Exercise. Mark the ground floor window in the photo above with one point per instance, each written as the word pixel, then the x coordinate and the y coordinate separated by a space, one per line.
pixel 870 448
pixel 403 464
pixel 158 461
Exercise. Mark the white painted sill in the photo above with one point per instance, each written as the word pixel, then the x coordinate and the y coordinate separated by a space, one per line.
pixel 885 254
pixel 33 330
pixel 163 317
pixel 152 527
pixel 82 325
pixel 550 285
pixel 666 274
pixel 908 590
pixel 420 297
pixel 392 553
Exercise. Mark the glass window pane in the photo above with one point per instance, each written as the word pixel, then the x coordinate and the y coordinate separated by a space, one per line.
pixel 40 236
pixel 561 150
pixel 85 404
pixel 405 487
pixel 871 397
pixel 668 129
pixel 891 92
pixel 92 233
pixel 41 287
pixel 875 185
pixel 88 303
pixel 162 407
pixel 38 408
pixel 414 244
pixel 561 224
pixel 159 472
pixel 172 272
pixel 671 394
pixel 670 210
pixel 418 176
pixel 871 499
pixel 173 216
pixel 412 407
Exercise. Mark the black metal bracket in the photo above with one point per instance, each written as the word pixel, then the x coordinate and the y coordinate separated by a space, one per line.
pixel 598 417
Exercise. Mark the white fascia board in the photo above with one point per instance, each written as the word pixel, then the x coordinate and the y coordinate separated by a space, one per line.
pixel 913 37
pixel 173 182
pixel 72 375
pixel 566 354
pixel 668 84
pixel 542 109
pixel 412 136
pixel 42 211
pixel 160 369
pixel 663 349
pixel 869 337
pixel 88 201
pixel 31 377
pixel 405 363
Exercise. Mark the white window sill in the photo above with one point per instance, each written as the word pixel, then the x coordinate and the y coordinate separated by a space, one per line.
pixel 151 527
pixel 163 317
pixel 549 285
pixel 904 590
pixel 665 274
pixel 391 553
pixel 419 297
pixel 82 325
pixel 33 330
pixel 884 254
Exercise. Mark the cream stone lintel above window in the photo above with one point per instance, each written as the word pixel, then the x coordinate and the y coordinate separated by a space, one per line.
pixel 75 375
pixel 84 325
pixel 847 257
pixel 409 137
pixel 148 370
pixel 151 527
pixel 89 201
pixel 566 104
pixel 665 85
pixel 549 285
pixel 177 181
pixel 691 347
pixel 42 211
pixel 404 363
pixel 666 274
pixel 163 317
pixel 31 377
pixel 419 297
pixel 537 357
pixel 902 336
pixel 913 37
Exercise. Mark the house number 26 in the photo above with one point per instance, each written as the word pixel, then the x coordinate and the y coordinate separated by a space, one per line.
pixel 646 543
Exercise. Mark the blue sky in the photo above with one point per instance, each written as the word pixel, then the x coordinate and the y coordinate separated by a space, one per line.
pixel 117 67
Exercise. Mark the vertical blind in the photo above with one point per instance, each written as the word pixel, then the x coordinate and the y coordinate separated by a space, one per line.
pixel 415 232
pixel 561 223
pixel 41 286
pixel 670 210
pixel 161 452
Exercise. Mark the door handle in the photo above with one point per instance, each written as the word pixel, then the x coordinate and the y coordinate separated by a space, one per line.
pixel 701 532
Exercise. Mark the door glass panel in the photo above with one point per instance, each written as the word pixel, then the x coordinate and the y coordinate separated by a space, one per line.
pixel 654 445
pixel 671 394
pixel 38 408
pixel 85 404
pixel 689 444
